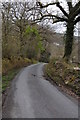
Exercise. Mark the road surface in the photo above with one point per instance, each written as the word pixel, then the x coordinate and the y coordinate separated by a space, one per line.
pixel 31 96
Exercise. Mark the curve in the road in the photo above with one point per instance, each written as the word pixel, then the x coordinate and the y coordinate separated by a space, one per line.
pixel 31 96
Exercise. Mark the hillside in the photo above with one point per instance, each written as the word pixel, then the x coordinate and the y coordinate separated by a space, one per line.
pixel 55 43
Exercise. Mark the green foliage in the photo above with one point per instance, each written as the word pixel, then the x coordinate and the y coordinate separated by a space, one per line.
pixel 40 46
pixel 7 78
pixel 32 30
pixel 35 44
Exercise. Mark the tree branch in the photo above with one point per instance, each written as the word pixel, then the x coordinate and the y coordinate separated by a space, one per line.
pixel 44 6
pixel 56 21
pixel 62 9
pixel 75 7
pixel 72 16
pixel 70 5
pixel 59 19
pixel 77 20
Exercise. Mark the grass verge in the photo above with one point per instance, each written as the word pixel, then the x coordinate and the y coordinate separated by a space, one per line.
pixel 63 74
pixel 10 67
pixel 6 79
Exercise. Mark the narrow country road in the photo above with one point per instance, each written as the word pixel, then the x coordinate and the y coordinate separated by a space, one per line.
pixel 31 96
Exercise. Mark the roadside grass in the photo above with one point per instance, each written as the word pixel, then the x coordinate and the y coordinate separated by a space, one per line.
pixel 6 79
pixel 63 74
pixel 11 67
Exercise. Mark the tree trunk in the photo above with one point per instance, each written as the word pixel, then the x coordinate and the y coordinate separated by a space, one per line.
pixel 69 40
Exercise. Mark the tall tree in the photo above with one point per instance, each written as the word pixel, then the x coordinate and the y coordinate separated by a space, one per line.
pixel 6 19
pixel 20 15
pixel 70 17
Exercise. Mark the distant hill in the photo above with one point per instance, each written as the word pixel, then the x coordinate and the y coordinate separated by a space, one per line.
pixel 56 43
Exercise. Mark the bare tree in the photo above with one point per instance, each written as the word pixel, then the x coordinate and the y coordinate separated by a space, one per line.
pixel 21 13
pixel 70 17
pixel 6 19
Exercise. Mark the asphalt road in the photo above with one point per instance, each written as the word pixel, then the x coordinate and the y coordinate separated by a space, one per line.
pixel 31 96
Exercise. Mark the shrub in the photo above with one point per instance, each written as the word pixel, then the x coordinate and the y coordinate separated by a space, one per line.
pixel 62 73
pixel 14 62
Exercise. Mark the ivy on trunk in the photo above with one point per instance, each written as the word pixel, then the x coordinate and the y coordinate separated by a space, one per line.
pixel 69 40
pixel 71 18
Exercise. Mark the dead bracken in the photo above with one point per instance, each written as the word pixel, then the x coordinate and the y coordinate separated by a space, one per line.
pixel 64 74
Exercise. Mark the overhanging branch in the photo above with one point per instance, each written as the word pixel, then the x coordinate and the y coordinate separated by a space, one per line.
pixel 44 6
pixel 50 16
pixel 56 21
pixel 62 9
